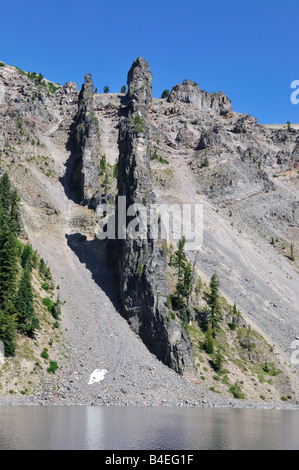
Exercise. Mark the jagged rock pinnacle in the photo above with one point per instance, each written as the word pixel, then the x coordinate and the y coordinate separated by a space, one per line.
pixel 87 144
pixel 140 87
pixel 141 263
pixel 87 89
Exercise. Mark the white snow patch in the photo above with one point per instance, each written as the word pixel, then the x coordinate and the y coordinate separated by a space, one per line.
pixel 97 376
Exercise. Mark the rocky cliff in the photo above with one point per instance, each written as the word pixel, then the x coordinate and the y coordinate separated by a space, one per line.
pixel 141 263
pixel 189 92
pixel 86 145
pixel 185 149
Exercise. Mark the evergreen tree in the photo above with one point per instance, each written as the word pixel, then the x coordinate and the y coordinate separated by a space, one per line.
pixel 44 270
pixel 187 280
pixel 218 361
pixel 27 321
pixel 198 286
pixel 165 94
pixel 187 287
pixel 56 309
pixel 184 279
pixel 185 319
pixel 42 267
pixel 16 304
pixel 214 313
pixel 10 338
pixel 292 256
pixel 235 315
pixel 8 264
pixel 26 258
pixel 5 194
pixel 209 340
pixel 8 329
pixel 247 342
pixel 180 262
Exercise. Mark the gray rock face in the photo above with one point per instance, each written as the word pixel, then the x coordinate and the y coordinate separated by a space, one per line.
pixel 189 92
pixel 139 87
pixel 87 145
pixel 2 139
pixel 68 93
pixel 141 263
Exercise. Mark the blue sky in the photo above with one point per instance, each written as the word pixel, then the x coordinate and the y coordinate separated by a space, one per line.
pixel 248 50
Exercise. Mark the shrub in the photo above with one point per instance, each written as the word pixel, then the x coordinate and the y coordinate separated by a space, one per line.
pixel 45 354
pixel 53 367
pixel 138 124
pixel 140 269
pixel 115 170
pixel 103 163
pixel 236 391
pixel 48 303
pixel 53 88
pixel 56 309
pixel 168 302
pixel 155 156
pixel 204 163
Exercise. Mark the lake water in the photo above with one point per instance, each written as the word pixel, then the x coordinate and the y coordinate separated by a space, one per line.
pixel 117 428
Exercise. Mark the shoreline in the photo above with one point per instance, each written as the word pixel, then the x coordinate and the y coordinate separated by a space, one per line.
pixel 205 403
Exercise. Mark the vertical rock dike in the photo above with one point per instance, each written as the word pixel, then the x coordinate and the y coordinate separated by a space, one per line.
pixel 85 179
pixel 140 262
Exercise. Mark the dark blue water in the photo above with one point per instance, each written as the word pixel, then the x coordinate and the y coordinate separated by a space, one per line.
pixel 101 428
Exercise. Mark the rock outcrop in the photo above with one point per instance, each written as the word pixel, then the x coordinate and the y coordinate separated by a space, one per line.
pixel 141 263
pixel 86 145
pixel 189 92
pixel 246 174
pixel 68 94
